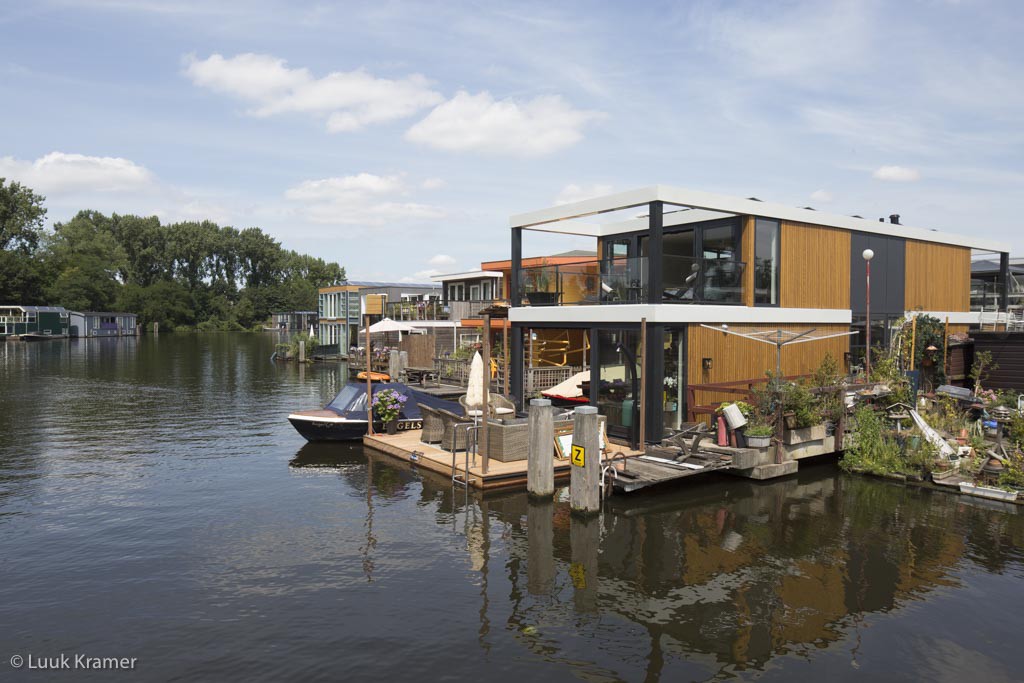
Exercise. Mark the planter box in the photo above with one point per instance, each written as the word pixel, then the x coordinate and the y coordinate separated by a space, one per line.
pixel 795 436
pixel 759 441
pixel 988 492
pixel 944 474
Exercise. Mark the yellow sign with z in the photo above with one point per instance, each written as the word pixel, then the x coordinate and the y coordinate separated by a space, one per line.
pixel 578 456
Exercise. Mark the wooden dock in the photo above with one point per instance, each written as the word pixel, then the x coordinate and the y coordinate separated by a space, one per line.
pixel 408 447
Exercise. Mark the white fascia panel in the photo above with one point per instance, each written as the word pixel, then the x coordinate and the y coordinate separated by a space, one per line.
pixel 466 276
pixel 955 317
pixel 669 220
pixel 676 313
pixel 749 207
pixel 734 205
pixel 587 207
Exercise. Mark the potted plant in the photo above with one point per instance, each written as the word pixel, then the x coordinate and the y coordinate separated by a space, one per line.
pixel 387 405
pixel 759 435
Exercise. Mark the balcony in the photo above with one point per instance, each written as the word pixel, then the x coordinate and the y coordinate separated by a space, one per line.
pixel 411 311
pixel 686 280
pixel 468 310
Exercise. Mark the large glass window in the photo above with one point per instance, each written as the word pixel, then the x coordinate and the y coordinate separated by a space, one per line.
pixel 766 261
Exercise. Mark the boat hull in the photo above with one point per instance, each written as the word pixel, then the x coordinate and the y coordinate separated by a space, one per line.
pixel 319 428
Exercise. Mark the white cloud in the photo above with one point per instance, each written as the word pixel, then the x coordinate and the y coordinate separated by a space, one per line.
pixel 577 193
pixel 62 173
pixel 363 199
pixel 480 123
pixel 899 174
pixel 348 99
pixel 433 184
pixel 441 260
pixel 821 196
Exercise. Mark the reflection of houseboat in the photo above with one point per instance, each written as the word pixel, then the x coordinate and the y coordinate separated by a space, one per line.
pixel 345 418
pixel 33 323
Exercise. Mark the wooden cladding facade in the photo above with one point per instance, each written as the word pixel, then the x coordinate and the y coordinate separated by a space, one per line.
pixel 814 267
pixel 735 358
pixel 938 277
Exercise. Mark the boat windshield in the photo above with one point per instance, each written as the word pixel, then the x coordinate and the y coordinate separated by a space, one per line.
pixel 352 397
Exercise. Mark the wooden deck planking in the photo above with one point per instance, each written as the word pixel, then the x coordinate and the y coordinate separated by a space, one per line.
pixel 431 457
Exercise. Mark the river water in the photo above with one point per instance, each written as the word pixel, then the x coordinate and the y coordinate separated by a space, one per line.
pixel 156 504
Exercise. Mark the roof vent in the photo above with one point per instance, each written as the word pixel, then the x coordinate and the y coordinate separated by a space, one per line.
pixel 856 216
pixel 881 220
pixel 753 199
pixel 809 208
pixel 894 218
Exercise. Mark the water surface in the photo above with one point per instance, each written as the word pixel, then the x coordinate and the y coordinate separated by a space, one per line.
pixel 154 503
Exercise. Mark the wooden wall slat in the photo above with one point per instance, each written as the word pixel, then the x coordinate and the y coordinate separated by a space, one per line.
pixel 815 267
pixel 734 358
pixel 938 277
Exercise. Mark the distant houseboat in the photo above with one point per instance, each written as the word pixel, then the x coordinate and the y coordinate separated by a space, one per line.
pixel 102 324
pixel 29 323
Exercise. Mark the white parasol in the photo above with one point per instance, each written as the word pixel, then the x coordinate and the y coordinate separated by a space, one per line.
pixel 389 325
pixel 475 390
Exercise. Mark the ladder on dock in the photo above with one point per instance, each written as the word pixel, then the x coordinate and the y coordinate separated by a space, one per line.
pixel 471 440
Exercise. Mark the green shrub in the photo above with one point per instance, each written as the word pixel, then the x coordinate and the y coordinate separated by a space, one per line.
pixel 874 449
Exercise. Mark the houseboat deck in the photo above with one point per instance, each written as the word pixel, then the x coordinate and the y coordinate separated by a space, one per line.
pixel 408 447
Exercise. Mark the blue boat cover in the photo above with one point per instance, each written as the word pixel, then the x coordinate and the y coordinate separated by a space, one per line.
pixel 351 401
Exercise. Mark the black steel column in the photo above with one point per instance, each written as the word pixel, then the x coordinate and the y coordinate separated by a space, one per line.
pixel 1004 280
pixel 516 365
pixel 514 295
pixel 656 221
pixel 655 372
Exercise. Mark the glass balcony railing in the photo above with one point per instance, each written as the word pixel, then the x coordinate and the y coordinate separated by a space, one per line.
pixel 686 280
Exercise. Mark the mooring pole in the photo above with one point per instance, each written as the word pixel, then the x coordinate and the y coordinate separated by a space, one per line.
pixel 945 348
pixel 585 460
pixel 302 351
pixel 369 382
pixel 643 385
pixel 485 408
pixel 540 468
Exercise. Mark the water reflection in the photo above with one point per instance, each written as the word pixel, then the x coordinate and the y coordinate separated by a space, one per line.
pixel 738 572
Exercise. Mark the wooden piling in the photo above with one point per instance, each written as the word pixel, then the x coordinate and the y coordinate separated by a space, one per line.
pixel 540 467
pixel 585 460
pixel 302 351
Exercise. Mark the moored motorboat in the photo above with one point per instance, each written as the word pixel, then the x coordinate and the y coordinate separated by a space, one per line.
pixel 345 418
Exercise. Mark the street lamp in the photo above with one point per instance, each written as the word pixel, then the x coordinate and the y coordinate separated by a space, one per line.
pixel 868 254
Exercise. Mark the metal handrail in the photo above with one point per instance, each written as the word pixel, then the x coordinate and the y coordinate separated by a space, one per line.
pixel 471 429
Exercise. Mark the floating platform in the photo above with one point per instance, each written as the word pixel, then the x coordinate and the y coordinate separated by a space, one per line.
pixel 500 475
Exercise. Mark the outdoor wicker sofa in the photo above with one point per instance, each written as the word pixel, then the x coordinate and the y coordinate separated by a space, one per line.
pixel 451 437
pixel 497 406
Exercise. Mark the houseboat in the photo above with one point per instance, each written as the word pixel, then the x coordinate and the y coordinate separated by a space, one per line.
pixel 102 324
pixel 679 268
pixel 33 323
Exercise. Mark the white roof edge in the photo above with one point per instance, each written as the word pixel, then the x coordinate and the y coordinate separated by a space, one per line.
pixel 679 313
pixel 737 205
pixel 465 275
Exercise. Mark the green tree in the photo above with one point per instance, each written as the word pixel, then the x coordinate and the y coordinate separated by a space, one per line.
pixel 21 217
pixel 85 257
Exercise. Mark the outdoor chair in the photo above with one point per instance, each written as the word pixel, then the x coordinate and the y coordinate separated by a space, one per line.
pixel 433 425
pixel 453 438
pixel 498 406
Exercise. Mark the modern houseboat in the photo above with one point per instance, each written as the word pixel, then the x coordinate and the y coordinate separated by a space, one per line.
pixel 679 268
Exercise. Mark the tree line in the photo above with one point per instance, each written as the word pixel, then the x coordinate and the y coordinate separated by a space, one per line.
pixel 190 274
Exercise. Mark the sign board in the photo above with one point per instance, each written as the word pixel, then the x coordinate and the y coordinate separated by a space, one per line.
pixel 374 304
pixel 579 456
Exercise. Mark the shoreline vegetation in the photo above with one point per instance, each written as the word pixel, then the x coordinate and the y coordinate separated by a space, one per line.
pixel 187 276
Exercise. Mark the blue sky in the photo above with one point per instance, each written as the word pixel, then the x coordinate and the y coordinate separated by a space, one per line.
pixel 411 131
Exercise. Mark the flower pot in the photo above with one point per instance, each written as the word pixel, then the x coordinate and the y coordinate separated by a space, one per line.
pixel 391 427
pixel 758 441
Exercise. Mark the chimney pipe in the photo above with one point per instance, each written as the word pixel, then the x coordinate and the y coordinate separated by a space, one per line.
pixel 894 218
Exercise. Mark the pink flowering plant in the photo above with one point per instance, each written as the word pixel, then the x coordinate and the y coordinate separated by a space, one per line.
pixel 387 404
